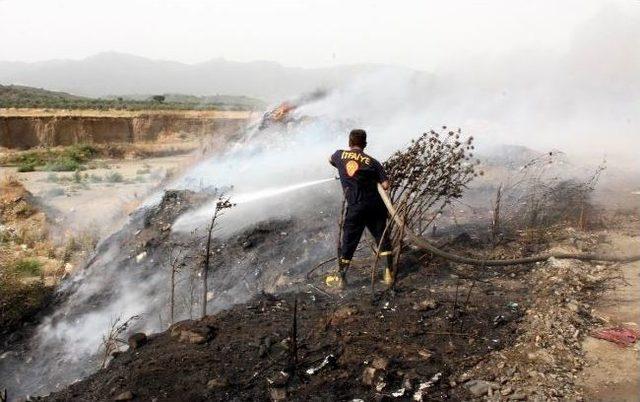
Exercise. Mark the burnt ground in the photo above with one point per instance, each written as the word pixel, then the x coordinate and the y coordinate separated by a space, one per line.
pixel 440 322
pixel 447 332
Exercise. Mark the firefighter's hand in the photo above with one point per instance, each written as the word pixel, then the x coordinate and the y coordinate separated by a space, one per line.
pixel 385 185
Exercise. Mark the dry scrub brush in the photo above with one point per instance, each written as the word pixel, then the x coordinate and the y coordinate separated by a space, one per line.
pixel 427 176
pixel 538 197
pixel 433 171
pixel 112 341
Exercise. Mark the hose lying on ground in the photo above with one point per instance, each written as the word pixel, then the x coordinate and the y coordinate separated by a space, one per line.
pixel 424 244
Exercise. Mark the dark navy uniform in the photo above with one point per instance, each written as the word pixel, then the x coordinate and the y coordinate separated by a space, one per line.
pixel 360 175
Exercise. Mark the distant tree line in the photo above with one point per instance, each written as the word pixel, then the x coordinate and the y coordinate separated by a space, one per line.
pixel 15 96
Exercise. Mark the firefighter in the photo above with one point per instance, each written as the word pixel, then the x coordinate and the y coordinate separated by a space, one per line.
pixel 359 175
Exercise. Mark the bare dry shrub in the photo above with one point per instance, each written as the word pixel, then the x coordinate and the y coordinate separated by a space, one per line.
pixel 427 176
pixel 432 171
pixel 112 341
pixel 221 204
pixel 9 180
pixel 537 197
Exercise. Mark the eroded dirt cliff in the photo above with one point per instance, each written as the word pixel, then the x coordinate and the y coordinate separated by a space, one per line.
pixel 23 130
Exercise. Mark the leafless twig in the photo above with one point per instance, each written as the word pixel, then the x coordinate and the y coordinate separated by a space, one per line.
pixel 112 341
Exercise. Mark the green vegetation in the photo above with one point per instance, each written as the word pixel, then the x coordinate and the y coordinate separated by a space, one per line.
pixel 17 96
pixel 94 178
pixel 83 179
pixel 62 165
pixel 21 96
pixel 27 267
pixel 19 300
pixel 27 167
pixel 69 159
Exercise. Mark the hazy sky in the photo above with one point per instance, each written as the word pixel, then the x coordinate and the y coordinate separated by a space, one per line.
pixel 420 34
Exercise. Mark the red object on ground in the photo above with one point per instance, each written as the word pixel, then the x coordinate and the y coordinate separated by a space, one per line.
pixel 622 336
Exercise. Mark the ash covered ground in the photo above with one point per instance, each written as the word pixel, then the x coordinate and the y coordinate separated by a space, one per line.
pixel 132 269
pixel 447 332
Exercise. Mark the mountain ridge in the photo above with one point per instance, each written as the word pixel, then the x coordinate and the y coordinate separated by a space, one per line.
pixel 106 73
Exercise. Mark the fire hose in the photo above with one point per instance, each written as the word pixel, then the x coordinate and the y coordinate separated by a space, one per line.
pixel 422 243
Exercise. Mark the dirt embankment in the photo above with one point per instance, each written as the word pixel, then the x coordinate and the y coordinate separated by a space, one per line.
pixel 25 257
pixel 23 130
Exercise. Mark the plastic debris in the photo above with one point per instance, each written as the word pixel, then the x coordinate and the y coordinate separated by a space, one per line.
pixel 621 336
pixel 329 360
pixel 141 257
pixel 398 393
pixel 424 386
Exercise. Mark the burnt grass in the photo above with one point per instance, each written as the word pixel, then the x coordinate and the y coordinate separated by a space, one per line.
pixel 441 318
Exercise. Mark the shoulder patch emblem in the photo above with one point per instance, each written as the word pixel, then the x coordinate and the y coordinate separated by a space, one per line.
pixel 352 167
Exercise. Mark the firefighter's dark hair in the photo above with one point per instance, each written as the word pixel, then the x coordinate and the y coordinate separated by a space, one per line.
pixel 358 138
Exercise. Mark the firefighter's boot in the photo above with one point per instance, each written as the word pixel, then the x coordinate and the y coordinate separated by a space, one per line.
pixel 389 272
pixel 343 266
pixel 340 280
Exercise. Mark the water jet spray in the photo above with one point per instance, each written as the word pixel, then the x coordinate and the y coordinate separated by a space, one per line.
pixel 203 213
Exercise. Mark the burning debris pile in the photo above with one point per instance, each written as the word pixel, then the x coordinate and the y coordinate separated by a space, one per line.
pixel 283 114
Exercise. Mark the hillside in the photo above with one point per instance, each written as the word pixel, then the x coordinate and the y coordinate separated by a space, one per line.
pixel 19 96
pixel 23 96
pixel 112 73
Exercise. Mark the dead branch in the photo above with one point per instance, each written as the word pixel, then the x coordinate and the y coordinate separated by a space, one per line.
pixel 495 222
pixel 537 196
pixel 222 204
pixel 176 265
pixel 112 341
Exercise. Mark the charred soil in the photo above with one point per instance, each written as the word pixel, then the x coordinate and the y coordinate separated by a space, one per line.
pixel 447 332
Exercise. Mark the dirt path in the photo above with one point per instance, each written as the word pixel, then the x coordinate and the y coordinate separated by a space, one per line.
pixel 613 372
